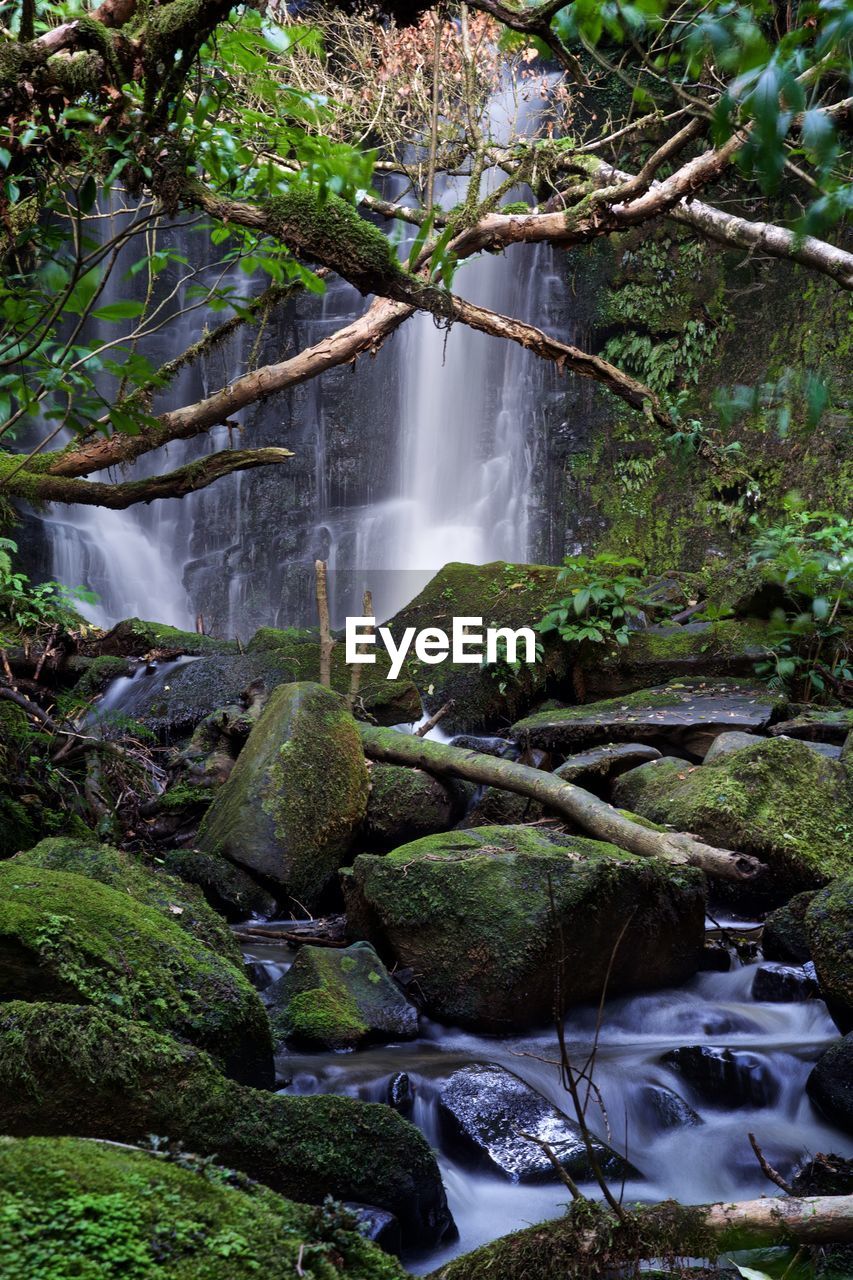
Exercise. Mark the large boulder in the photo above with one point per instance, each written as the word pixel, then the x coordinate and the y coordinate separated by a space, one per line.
pixel 486 1112
pixel 72 1208
pixel 727 1078
pixel 88 1072
pixel 492 919
pixel 776 800
pixel 296 795
pixel 686 715
pixel 830 1085
pixel 405 804
pixel 229 889
pixel 829 926
pixel 816 724
pixel 503 595
pixel 179 902
pixel 339 999
pixel 67 938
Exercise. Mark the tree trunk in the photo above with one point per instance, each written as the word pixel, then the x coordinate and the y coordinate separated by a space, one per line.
pixel 597 1244
pixel 593 815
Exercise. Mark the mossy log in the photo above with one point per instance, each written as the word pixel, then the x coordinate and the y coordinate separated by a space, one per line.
pixel 590 1242
pixel 587 811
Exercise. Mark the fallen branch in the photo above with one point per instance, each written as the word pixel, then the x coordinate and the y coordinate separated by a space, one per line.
pixel 587 811
pixel 434 720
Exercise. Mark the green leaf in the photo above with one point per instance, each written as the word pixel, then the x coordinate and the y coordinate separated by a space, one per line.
pixel 119 311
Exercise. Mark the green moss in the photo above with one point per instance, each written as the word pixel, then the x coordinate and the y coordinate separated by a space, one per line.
pixel 68 938
pixel 186 795
pixel 90 1072
pixel 829 928
pixel 404 804
pixel 98 673
pixel 181 903
pixel 778 800
pixel 71 1209
pixel 301 217
pixel 135 637
pixel 228 888
pixel 325 1016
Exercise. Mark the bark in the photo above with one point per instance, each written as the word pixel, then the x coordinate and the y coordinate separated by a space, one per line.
pixel 587 811
pixel 568 1249
pixel 326 641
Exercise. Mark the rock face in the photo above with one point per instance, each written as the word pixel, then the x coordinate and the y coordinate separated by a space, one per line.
pixel 830 1085
pixel 66 938
pixel 829 926
pixel 687 714
pixel 725 1077
pixel 471 913
pixel 296 795
pixel 181 903
pixel 405 804
pixel 816 725
pixel 503 595
pixel 664 1109
pixel 777 800
pixel 608 761
pixel 108 1207
pixel 483 1112
pixel 134 1081
pixel 784 983
pixel 726 743
pixel 338 1000
pixel 784 936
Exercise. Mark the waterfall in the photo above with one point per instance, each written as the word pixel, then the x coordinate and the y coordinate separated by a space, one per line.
pixel 424 454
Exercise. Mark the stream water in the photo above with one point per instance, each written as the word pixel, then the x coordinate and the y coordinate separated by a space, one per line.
pixel 704 1161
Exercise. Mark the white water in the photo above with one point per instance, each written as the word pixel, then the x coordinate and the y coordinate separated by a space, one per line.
pixel 456 485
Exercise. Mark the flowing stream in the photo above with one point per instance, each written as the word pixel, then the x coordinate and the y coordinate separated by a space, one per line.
pixel 704 1161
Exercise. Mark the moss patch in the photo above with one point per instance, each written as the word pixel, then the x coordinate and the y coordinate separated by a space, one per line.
pixel 829 927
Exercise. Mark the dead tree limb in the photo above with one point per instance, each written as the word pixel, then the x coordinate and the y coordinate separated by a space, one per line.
pixel 593 815
pixel 326 641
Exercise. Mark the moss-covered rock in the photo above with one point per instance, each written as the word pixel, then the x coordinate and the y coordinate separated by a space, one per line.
pixel 296 795
pixel 829 927
pixel 405 804
pixel 472 913
pixel 90 1072
pixel 180 902
pixel 229 889
pixel 334 999
pixel 503 595
pixel 383 701
pixel 784 936
pixel 818 724
pixel 830 1085
pixel 71 1209
pixel 688 714
pixel 778 800
pixel 67 938
pixel 135 638
pixel 655 655
pixel 97 673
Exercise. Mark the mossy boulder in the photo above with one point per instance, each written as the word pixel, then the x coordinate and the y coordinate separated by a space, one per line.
pixel 339 999
pixel 658 654
pixel 687 714
pixel 135 638
pixel 296 795
pixel 229 889
pixel 778 800
pixel 97 673
pixel 503 595
pixel 71 1208
pixel 830 1085
pixel 405 804
pixel 472 913
pixel 178 901
pixel 380 700
pixel 67 938
pixel 818 724
pixel 829 927
pixel 784 936
pixel 90 1072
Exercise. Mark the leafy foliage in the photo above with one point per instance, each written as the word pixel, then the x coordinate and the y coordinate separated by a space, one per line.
pixel 602 600
pixel 32 607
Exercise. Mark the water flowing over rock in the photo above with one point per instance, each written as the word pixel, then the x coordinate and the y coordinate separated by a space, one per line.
pixel 725 1077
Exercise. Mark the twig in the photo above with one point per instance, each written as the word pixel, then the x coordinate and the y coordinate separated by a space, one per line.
pixel 769 1172
pixel 434 720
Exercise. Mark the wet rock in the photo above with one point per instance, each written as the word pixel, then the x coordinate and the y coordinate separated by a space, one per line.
pixel 776 800
pixel 716 958
pixel 653 655
pixel 686 714
pixel 783 984
pixel 486 746
pixel 784 936
pixel 725 1077
pixel 830 1085
pixel 504 595
pixel 471 912
pixel 816 725
pixel 228 888
pixel 377 1225
pixel 296 796
pixel 608 761
pixel 67 938
pixel 401 1094
pixel 405 804
pixel 91 1073
pixel 484 1109
pixel 829 926
pixel 338 999
pixel 726 743
pixel 664 1109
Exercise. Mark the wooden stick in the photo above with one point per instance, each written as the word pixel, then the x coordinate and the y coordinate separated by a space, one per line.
pixel 326 641
pixel 434 720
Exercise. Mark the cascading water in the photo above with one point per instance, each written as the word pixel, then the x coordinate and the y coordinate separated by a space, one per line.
pixel 423 455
